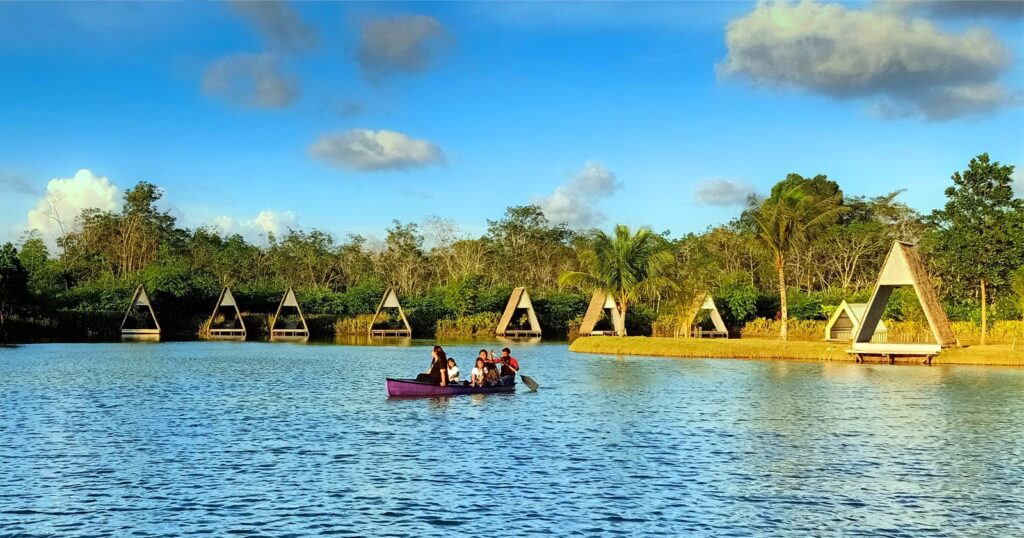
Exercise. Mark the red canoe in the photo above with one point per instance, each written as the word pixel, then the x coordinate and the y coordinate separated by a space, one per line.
pixel 410 388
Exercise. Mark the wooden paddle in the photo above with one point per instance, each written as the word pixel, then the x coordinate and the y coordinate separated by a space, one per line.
pixel 527 380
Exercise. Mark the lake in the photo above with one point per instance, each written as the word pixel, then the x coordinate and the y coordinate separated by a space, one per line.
pixel 282 439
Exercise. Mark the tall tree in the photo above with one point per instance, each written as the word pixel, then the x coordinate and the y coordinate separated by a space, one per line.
pixel 13 283
pixel 978 236
pixel 628 265
pixel 786 221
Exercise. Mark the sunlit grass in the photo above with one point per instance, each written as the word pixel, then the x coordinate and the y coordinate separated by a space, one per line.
pixel 763 348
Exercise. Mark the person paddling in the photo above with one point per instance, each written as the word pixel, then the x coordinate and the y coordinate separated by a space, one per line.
pixel 509 366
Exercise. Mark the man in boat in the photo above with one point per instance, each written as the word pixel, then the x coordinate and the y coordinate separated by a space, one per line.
pixel 509 366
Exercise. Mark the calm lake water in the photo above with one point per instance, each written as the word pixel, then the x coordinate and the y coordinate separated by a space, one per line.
pixel 281 439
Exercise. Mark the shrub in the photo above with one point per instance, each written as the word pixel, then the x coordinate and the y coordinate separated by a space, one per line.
pixel 480 324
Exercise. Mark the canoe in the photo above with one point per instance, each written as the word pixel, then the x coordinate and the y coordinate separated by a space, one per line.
pixel 410 388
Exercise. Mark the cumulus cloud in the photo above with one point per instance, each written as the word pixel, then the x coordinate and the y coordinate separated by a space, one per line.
pixel 722 192
pixel 279 24
pixel 1009 9
pixel 367 151
pixel 251 80
pixel 574 202
pixel 64 200
pixel 843 53
pixel 266 222
pixel 405 44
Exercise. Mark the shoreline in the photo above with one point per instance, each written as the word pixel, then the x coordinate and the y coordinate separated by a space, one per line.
pixel 773 349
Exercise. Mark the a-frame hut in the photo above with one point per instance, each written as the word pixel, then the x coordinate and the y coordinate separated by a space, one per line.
pixel 602 308
pixel 519 304
pixel 226 321
pixel 847 319
pixel 289 327
pixel 402 330
pixel 704 303
pixel 139 321
pixel 903 267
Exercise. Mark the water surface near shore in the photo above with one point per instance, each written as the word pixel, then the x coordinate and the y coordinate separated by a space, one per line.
pixel 257 438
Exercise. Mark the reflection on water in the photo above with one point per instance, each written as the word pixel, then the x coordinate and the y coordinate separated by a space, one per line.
pixel 257 438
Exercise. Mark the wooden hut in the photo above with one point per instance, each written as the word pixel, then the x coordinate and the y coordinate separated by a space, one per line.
pixel 602 309
pixel 226 321
pixel 903 267
pixel 519 304
pixel 289 329
pixel 390 302
pixel 847 319
pixel 139 321
pixel 703 304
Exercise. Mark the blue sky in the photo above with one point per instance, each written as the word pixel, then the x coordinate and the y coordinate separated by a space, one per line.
pixel 256 117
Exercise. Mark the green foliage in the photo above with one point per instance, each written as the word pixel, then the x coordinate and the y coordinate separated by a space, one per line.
pixel 737 302
pixel 480 324
pixel 13 283
pixel 1017 284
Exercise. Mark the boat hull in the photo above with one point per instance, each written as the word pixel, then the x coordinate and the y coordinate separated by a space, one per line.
pixel 410 388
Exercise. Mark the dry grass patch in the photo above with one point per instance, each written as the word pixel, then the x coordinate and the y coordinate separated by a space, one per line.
pixel 764 348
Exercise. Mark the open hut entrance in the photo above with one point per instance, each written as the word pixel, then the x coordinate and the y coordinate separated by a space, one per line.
pixel 226 321
pixel 390 320
pixel 519 319
pixel 139 321
pixel 603 317
pixel 847 319
pixel 289 324
pixel 704 320
pixel 903 268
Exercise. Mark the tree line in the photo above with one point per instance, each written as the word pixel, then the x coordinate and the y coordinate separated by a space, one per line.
pixel 794 253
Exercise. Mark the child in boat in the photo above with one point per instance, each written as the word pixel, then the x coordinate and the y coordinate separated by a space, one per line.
pixel 453 371
pixel 476 377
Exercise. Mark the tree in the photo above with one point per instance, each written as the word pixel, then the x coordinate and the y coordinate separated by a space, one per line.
pixel 13 283
pixel 628 265
pixel 1017 284
pixel 787 221
pixel 978 236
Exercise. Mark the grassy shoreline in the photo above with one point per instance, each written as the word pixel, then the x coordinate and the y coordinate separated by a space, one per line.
pixel 771 349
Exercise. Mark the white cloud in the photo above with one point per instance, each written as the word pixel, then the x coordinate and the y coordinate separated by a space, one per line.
pixel 722 192
pixel 251 80
pixel 844 53
pixel 574 203
pixel 279 24
pixel 365 150
pixel 266 222
pixel 64 200
pixel 1018 182
pixel 405 44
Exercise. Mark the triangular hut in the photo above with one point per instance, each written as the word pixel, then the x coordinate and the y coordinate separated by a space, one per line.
pixel 139 321
pixel 390 300
pixel 288 328
pixel 903 267
pixel 518 304
pixel 846 320
pixel 226 321
pixel 703 302
pixel 602 305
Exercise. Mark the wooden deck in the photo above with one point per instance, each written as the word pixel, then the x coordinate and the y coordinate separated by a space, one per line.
pixel 893 351
pixel 390 333
pixel 520 333
pixel 227 334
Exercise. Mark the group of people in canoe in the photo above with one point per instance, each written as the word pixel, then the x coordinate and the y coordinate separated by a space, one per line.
pixel 488 371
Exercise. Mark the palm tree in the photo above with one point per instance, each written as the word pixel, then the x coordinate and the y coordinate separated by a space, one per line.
pixel 628 265
pixel 786 220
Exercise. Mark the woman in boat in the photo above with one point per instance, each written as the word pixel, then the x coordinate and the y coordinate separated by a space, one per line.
pixel 476 377
pixel 489 365
pixel 438 372
pixel 453 372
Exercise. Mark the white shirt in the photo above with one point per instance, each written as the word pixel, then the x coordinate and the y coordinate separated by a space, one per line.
pixel 453 374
